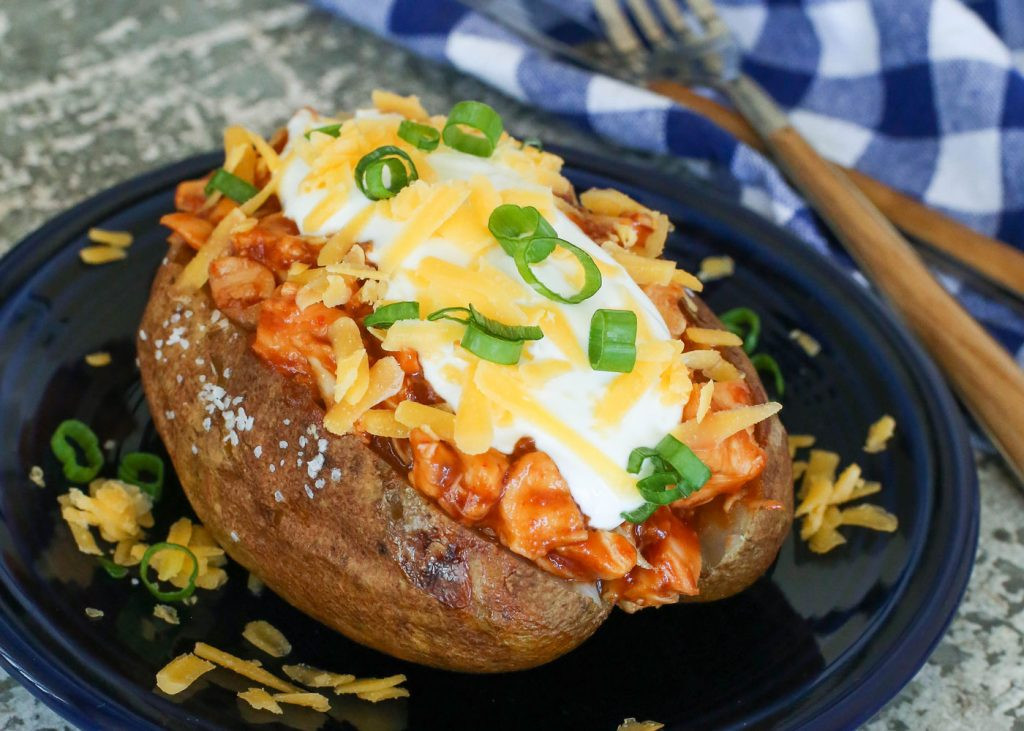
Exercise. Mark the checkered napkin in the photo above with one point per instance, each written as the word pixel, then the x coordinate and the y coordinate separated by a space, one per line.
pixel 921 94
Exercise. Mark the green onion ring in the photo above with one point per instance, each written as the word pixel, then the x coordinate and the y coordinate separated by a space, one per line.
pixel 230 185
pixel 640 455
pixel 421 136
pixel 691 471
pixel 764 362
pixel 514 226
pixel 489 347
pixel 85 438
pixel 134 464
pixel 652 488
pixel 477 116
pixel 443 314
pixel 526 255
pixel 369 172
pixel 612 344
pixel 744 323
pixel 641 514
pixel 387 315
pixel 168 596
pixel 333 130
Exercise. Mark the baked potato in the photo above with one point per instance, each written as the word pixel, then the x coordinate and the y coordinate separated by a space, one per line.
pixel 310 439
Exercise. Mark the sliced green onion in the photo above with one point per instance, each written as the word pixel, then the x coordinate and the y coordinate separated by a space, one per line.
pixel 116 571
pixel 674 464
pixel 613 341
pixel 478 117
pixel 135 464
pixel 641 514
pixel 640 455
pixel 332 129
pixel 445 314
pixel 515 226
pixel 489 339
pixel 168 596
pixel 764 362
pixel 652 488
pixel 490 347
pixel 387 315
pixel 86 440
pixel 421 136
pixel 744 323
pixel 528 254
pixel 370 172
pixel 532 142
pixel 691 471
pixel 230 185
pixel 491 327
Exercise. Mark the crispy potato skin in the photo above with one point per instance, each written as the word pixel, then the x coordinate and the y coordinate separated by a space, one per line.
pixel 367 555
pixel 740 549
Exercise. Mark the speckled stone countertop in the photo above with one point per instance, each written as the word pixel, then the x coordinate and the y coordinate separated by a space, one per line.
pixel 94 93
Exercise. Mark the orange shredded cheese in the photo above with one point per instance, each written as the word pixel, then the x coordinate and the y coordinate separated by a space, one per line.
pixel 118 509
pixel 261 700
pixel 181 672
pixel 101 254
pixel 822 493
pixel 810 346
pixel 416 415
pixel 245 668
pixel 408 106
pixel 316 678
pixel 708 336
pixel 98 359
pixel 385 380
pixel 167 613
pixel 267 637
pixel 716 267
pixel 118 239
pixel 310 700
pixel 382 423
pixel 879 434
pixel 368 685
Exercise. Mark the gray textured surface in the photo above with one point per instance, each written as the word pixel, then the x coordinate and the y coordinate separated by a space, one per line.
pixel 93 93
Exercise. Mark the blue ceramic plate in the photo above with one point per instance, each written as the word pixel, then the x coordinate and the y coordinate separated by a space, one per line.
pixel 821 642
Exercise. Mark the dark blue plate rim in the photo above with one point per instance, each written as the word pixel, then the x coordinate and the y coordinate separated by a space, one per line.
pixel 66 692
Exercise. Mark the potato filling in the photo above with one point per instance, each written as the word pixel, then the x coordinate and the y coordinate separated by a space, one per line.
pixel 306 321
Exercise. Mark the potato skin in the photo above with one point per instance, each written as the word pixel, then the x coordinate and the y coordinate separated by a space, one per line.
pixel 735 554
pixel 366 555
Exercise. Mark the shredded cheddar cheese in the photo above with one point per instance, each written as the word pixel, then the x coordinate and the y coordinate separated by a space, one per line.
pixel 98 359
pixel 261 700
pixel 716 267
pixel 420 416
pixel 118 509
pixel 181 672
pixel 822 494
pixel 101 254
pixel 266 637
pixel 245 668
pixel 879 434
pixel 119 239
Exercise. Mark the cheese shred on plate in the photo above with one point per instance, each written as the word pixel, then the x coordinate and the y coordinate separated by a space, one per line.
pixel 825 495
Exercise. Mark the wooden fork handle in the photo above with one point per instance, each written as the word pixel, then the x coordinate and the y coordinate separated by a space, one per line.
pixel 988 380
pixel 998 261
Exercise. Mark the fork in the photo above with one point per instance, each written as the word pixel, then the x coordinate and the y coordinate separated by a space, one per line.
pixel 702 51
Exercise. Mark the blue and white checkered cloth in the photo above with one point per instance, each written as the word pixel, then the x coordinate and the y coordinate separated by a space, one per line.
pixel 925 95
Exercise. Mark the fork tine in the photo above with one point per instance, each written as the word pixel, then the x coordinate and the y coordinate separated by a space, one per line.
pixel 648 22
pixel 675 19
pixel 708 16
pixel 617 27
